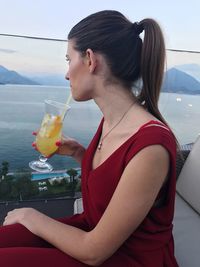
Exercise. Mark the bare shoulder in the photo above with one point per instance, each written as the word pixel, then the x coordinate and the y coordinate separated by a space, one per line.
pixel 152 153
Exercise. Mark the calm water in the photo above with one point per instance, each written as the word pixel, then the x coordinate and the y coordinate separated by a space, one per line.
pixel 22 109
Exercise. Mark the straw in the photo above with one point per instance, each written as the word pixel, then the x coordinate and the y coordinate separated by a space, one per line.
pixel 66 106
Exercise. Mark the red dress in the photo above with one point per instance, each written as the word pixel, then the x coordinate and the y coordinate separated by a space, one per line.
pixel 150 245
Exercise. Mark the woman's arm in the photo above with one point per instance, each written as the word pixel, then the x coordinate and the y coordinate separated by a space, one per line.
pixel 132 200
pixel 69 239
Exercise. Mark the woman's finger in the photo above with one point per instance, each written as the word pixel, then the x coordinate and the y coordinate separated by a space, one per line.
pixel 33 144
pixel 58 143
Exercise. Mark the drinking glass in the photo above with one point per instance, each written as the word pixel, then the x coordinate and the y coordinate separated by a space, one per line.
pixel 50 131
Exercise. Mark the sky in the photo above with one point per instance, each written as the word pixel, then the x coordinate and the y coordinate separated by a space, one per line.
pixel 179 20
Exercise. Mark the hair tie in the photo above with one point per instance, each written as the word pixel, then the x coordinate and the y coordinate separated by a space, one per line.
pixel 137 27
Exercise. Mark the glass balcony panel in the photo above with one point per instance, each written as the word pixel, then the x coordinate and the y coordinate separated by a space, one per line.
pixel 32 70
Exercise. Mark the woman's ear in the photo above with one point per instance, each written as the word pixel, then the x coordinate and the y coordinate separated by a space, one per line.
pixel 91 60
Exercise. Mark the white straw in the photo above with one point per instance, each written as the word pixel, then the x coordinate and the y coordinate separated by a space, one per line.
pixel 66 105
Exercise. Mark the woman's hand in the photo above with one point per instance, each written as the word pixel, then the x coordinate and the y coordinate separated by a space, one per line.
pixel 70 147
pixel 67 146
pixel 25 216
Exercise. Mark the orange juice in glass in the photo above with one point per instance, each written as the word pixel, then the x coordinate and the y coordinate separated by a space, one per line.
pixel 50 132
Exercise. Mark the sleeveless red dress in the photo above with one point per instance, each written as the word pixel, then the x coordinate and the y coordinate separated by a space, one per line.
pixel 151 244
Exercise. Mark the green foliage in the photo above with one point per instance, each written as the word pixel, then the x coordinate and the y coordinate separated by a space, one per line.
pixel 78 185
pixel 20 186
pixel 72 174
pixel 24 188
pixel 6 187
pixel 4 169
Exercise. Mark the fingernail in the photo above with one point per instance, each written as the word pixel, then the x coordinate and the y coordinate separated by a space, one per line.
pixel 34 133
pixel 58 143
pixel 33 144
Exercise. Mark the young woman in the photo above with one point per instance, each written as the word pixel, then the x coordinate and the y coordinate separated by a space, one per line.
pixel 128 170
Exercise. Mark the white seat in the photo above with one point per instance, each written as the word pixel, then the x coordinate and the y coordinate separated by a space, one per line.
pixel 187 211
pixel 186 234
pixel 78 206
pixel 188 185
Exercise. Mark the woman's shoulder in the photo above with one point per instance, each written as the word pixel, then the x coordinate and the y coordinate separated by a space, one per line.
pixel 154 125
pixel 155 132
pixel 151 133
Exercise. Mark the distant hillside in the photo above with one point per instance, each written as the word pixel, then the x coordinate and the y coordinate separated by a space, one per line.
pixel 191 69
pixel 51 79
pixel 12 77
pixel 176 81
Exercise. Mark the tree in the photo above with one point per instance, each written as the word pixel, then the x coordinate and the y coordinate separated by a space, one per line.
pixel 6 187
pixel 23 187
pixel 4 168
pixel 72 174
pixel 78 185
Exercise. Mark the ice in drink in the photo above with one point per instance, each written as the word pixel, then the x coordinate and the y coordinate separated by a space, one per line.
pixel 49 133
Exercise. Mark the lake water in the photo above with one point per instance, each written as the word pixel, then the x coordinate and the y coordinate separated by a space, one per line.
pixel 22 109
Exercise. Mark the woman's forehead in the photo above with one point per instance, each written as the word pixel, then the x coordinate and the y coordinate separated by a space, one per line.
pixel 70 46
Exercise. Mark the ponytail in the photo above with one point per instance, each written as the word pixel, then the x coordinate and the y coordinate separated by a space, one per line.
pixel 152 70
pixel 152 66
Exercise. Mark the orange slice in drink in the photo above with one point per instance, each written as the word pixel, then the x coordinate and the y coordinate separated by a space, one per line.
pixel 54 128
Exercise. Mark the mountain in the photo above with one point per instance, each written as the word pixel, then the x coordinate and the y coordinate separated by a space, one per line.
pixel 51 79
pixel 12 77
pixel 191 69
pixel 177 81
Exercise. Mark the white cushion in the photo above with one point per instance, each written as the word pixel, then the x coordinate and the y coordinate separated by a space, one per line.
pixel 186 233
pixel 188 185
pixel 78 206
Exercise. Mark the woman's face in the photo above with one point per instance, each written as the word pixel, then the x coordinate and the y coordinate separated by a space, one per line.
pixel 78 74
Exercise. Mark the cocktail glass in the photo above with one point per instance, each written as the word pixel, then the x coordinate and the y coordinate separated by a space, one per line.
pixel 50 132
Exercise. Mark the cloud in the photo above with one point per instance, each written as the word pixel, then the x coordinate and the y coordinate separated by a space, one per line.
pixel 9 51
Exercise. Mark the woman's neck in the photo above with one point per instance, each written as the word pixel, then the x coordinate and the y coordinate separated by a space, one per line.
pixel 114 101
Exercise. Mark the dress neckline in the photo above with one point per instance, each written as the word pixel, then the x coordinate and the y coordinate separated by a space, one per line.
pixel 97 136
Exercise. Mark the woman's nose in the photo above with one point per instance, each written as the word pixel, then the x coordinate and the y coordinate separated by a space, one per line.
pixel 67 76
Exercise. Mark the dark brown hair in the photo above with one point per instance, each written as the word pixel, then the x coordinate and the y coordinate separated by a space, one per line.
pixel 114 36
